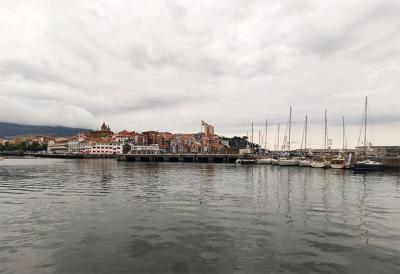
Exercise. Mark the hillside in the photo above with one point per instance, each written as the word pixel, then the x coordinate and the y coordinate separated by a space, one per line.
pixel 11 129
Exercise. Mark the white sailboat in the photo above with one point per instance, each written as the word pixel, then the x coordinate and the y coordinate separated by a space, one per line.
pixel 321 162
pixel 264 160
pixel 304 162
pixel 340 162
pixel 248 158
pixel 287 161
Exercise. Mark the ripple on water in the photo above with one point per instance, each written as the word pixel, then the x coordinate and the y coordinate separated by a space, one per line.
pixel 103 216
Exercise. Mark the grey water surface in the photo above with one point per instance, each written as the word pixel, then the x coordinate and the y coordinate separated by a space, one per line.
pixel 104 216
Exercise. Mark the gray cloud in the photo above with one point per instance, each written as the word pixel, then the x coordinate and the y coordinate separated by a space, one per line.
pixel 168 64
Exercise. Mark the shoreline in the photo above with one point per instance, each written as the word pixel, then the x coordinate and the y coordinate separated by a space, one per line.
pixel 391 163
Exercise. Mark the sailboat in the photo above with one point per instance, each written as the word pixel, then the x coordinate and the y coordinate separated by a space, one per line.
pixel 321 162
pixel 340 162
pixel 274 160
pixel 248 158
pixel 367 164
pixel 289 161
pixel 305 162
pixel 264 160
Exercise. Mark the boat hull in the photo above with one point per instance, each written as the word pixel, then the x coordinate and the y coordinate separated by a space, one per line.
pixel 305 163
pixel 290 162
pixel 275 162
pixel 246 161
pixel 368 167
pixel 263 161
pixel 338 166
pixel 318 164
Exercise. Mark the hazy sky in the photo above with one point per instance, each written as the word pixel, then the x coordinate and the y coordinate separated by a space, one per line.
pixel 166 65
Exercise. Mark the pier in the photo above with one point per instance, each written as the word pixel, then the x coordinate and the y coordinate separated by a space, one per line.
pixel 187 157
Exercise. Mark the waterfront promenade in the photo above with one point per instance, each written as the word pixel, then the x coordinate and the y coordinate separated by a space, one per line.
pixel 389 162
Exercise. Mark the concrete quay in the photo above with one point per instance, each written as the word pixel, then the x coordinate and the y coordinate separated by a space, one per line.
pixel 187 157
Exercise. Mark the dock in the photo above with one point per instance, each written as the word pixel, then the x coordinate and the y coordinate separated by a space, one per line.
pixel 186 157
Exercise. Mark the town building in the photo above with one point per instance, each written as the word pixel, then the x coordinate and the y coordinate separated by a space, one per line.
pixel 151 136
pixel 96 146
pixel 123 136
pixel 57 145
pixel 206 128
pixel 140 149
pixel 102 133
pixel 75 143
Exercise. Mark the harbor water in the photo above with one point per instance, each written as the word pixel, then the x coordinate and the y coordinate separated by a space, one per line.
pixel 105 216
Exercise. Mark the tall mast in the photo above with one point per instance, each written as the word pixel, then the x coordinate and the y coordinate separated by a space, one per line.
pixel 326 130
pixel 266 133
pixel 305 135
pixel 365 126
pixel 252 135
pixel 290 125
pixel 344 141
pixel 259 139
pixel 278 137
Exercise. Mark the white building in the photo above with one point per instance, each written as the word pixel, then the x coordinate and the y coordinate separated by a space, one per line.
pixel 76 144
pixel 58 145
pixel 151 149
pixel 103 148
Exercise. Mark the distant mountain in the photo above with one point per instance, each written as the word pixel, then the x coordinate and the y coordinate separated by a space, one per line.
pixel 10 129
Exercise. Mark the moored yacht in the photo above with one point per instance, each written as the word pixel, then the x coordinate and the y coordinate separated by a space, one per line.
pixel 274 161
pixel 338 163
pixel 320 163
pixel 367 165
pixel 305 162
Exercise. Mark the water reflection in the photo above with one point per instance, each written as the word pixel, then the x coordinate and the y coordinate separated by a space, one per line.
pixel 108 216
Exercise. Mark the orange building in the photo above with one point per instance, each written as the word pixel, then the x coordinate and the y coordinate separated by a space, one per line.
pixel 206 128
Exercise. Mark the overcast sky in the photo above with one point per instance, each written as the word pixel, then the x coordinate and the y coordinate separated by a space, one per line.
pixel 166 65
